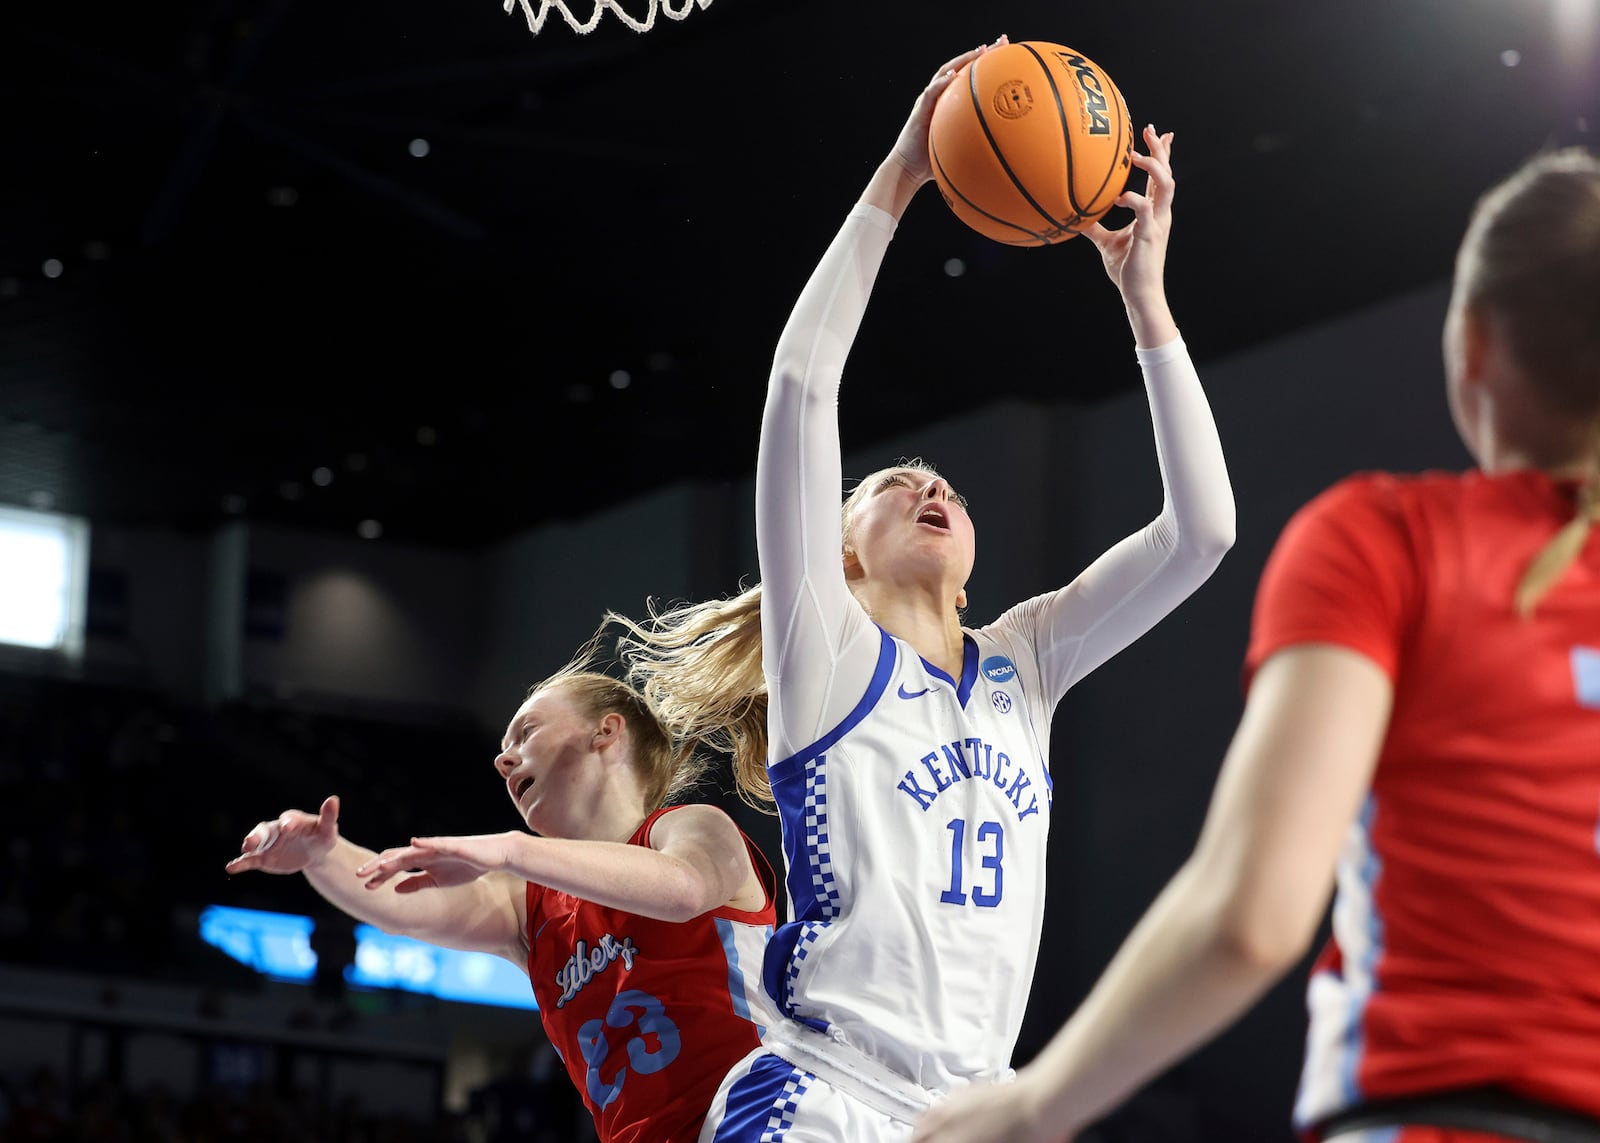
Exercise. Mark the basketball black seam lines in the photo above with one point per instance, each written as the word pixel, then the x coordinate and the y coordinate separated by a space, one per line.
pixel 1124 126
pixel 1124 130
pixel 977 107
pixel 955 190
pixel 1066 138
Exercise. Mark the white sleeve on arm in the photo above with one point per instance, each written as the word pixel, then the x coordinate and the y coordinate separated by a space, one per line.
pixel 818 646
pixel 1132 586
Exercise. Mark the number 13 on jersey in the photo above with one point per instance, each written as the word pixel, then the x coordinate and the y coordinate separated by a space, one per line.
pixel 988 883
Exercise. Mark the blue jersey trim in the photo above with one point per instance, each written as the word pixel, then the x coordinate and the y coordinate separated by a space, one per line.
pixel 1586 676
pixel 779 771
pixel 969 669
pixel 761 1105
pixel 1362 975
pixel 730 950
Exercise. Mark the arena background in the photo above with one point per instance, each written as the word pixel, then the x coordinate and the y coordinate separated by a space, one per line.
pixel 516 297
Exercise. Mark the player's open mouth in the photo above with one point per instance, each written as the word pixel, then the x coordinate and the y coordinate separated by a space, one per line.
pixel 521 788
pixel 934 516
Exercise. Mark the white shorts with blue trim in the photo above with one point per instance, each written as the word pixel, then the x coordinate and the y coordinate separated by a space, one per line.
pixel 802 1087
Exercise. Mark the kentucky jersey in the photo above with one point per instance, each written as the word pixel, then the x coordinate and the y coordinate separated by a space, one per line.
pixel 648 1015
pixel 916 805
pixel 1466 920
pixel 918 827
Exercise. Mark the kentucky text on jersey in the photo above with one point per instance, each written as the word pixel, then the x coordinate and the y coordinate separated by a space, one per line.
pixel 964 760
pixel 586 963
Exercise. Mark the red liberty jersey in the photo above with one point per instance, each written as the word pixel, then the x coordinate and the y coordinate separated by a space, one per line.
pixel 648 1015
pixel 1466 922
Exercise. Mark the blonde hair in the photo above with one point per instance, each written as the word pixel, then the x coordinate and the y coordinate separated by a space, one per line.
pixel 1545 570
pixel 667 770
pixel 698 666
pixel 1531 257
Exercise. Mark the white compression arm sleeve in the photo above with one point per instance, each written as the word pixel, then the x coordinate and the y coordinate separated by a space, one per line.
pixel 817 641
pixel 1127 590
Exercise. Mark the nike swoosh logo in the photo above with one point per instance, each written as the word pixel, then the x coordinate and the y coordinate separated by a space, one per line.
pixel 905 694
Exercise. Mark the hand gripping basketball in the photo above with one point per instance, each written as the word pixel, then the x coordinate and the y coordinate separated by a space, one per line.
pixel 1030 143
pixel 911 148
pixel 1136 255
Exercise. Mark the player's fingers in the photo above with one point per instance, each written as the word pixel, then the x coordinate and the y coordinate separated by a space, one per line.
pixel 1098 234
pixel 1140 204
pixel 1158 166
pixel 1154 167
pixel 1159 143
pixel 262 838
pixel 391 861
pixel 948 69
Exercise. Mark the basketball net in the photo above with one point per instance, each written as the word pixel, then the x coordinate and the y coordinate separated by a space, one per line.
pixel 538 11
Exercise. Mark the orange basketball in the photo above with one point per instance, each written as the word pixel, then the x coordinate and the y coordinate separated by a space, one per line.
pixel 1030 143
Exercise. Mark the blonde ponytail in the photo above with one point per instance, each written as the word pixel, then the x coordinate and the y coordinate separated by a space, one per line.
pixel 1563 550
pixel 699 667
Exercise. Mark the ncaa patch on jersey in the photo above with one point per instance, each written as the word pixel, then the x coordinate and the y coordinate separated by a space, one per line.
pixel 1586 676
pixel 998 669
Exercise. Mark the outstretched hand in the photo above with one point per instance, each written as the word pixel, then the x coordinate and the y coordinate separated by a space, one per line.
pixel 1136 255
pixel 440 862
pixel 290 842
pixel 911 148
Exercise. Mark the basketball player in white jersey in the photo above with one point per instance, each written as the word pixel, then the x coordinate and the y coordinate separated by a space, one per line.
pixel 908 756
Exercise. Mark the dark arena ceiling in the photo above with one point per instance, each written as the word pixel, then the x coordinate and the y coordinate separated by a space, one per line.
pixel 482 279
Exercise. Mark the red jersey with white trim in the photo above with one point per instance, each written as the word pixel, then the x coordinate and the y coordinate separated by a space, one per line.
pixel 649 1015
pixel 1466 922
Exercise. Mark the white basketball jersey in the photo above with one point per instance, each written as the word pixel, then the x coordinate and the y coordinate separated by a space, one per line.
pixel 915 815
pixel 914 836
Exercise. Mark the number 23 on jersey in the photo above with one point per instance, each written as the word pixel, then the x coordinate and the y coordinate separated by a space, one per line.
pixel 643 1030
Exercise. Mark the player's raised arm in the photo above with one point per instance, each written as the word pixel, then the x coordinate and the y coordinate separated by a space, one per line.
pixel 813 630
pixel 1137 582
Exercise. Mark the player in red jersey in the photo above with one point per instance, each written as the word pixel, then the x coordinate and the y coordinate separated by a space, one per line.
pixel 1423 728
pixel 641 928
